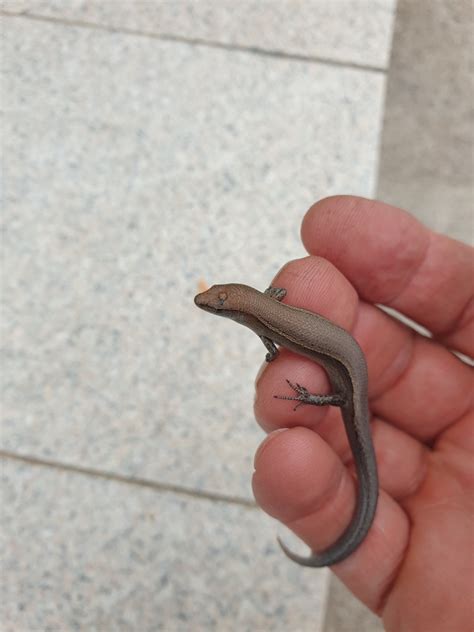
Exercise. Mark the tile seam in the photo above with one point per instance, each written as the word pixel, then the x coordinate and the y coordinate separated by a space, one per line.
pixel 168 37
pixel 127 480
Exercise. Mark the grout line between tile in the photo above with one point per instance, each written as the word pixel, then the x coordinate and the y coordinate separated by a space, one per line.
pixel 196 41
pixel 128 480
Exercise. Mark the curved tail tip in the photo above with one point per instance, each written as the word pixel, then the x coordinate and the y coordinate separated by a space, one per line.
pixel 299 559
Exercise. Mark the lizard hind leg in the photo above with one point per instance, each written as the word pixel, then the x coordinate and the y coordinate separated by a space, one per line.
pixel 304 397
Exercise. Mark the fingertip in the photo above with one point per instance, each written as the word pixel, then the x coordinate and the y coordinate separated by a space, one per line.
pixel 315 284
pixel 286 482
pixel 265 445
pixel 339 212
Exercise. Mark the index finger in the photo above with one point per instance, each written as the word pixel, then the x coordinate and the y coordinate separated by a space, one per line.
pixel 392 259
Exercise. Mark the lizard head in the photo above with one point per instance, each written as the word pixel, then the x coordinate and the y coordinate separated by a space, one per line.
pixel 219 299
pixel 231 300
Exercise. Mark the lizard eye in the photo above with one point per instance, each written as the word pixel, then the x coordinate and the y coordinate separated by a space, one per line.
pixel 222 297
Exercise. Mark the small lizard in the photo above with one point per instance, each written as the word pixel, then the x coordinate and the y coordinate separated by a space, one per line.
pixel 332 347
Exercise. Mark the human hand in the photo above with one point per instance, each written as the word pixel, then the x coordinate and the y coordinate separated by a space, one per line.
pixel 415 567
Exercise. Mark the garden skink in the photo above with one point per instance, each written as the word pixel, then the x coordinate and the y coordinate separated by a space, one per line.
pixel 332 347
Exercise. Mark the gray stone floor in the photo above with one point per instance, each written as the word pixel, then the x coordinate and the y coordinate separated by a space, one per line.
pixel 427 144
pixel 149 146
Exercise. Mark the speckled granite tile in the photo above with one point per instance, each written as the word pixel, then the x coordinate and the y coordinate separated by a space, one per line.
pixel 136 167
pixel 81 553
pixel 15 6
pixel 352 31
